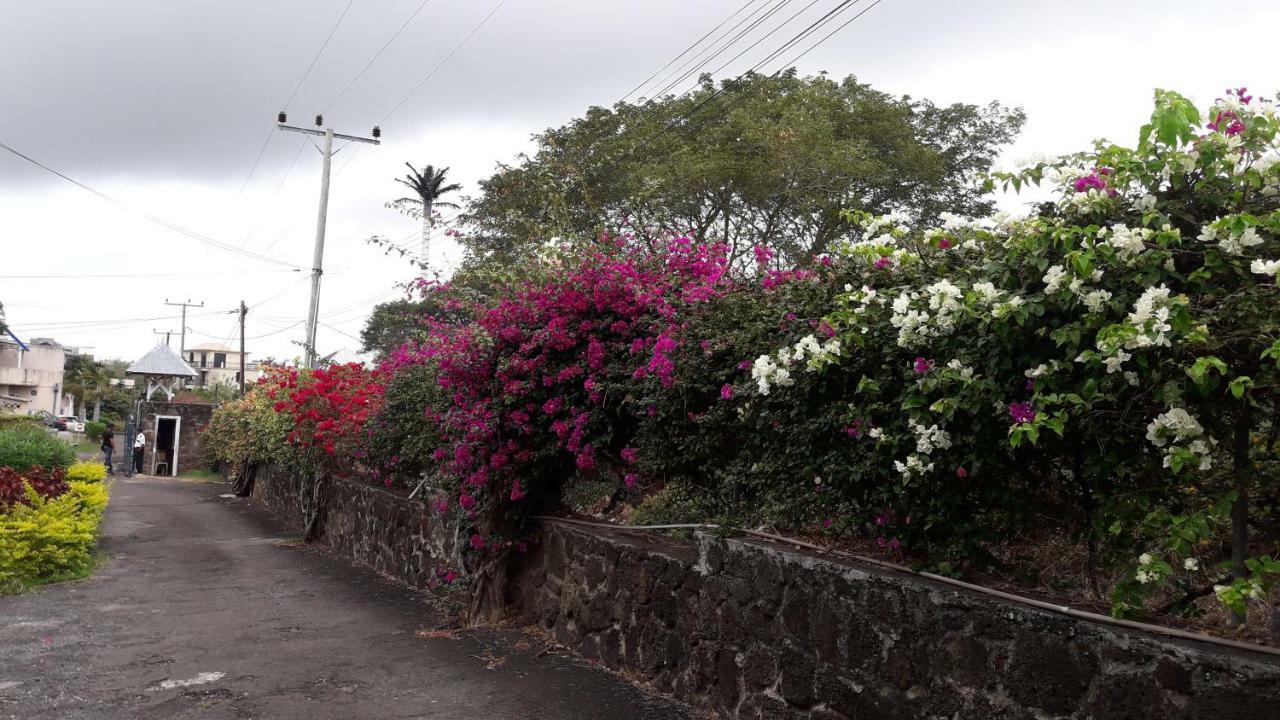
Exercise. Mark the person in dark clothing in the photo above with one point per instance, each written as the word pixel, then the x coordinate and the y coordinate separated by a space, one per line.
pixel 108 447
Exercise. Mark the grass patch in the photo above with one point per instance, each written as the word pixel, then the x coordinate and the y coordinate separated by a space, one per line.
pixel 201 475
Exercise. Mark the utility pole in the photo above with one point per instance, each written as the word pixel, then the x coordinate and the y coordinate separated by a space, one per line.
pixel 165 333
pixel 243 311
pixel 317 262
pixel 182 343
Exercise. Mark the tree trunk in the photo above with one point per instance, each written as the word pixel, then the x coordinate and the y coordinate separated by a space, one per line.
pixel 426 238
pixel 489 592
pixel 97 409
pixel 1240 507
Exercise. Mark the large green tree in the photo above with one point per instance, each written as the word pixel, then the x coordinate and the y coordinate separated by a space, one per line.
pixel 391 325
pixel 764 160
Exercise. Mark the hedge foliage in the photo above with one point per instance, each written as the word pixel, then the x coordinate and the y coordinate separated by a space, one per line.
pixel 24 445
pixel 87 472
pixel 46 539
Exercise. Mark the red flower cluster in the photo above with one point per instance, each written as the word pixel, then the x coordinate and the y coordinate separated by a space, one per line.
pixel 329 406
pixel 47 483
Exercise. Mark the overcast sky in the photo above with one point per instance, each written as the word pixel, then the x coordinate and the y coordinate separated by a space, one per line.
pixel 164 106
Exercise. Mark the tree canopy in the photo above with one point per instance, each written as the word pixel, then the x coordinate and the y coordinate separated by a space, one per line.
pixel 765 160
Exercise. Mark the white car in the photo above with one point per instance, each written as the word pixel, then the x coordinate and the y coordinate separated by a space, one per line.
pixel 73 423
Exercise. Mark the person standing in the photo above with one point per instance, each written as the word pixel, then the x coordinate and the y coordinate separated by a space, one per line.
pixel 139 447
pixel 108 447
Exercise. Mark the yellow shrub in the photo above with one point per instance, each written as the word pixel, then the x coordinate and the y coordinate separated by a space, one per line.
pixel 86 472
pixel 50 539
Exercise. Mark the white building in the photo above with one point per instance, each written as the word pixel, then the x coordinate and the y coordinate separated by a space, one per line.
pixel 31 375
pixel 219 365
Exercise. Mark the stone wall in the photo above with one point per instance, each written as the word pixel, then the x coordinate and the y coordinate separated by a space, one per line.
pixel 755 630
pixel 372 525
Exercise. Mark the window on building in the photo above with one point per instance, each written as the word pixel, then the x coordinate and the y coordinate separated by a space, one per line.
pixel 204 359
pixel 219 360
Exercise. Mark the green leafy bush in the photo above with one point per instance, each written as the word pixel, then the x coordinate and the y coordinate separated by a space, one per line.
pixel 44 540
pixel 23 446
pixel 248 431
pixel 93 429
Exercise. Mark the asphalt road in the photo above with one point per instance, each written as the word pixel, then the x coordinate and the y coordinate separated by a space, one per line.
pixel 204 609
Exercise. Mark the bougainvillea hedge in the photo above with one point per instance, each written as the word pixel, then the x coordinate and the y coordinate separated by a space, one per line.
pixel 1107 365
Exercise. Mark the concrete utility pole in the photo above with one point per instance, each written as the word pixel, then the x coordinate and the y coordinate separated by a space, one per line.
pixel 243 311
pixel 317 263
pixel 182 342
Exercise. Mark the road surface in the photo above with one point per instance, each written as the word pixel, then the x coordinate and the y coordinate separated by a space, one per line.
pixel 203 608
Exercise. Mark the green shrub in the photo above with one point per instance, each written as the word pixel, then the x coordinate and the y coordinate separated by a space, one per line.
pixel 23 445
pixel 48 540
pixel 10 421
pixel 87 472
pixel 93 429
pixel 672 505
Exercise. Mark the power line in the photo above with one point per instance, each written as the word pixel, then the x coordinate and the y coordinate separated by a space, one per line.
pixel 137 275
pixel 375 57
pixel 706 61
pixel 341 332
pixel 302 145
pixel 267 140
pixel 275 332
pixel 666 78
pixel 446 59
pixel 150 218
pixel 424 80
pixel 319 52
pixel 686 51
pixel 813 27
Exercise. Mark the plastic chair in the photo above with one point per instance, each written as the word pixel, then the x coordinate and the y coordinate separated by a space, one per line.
pixel 162 467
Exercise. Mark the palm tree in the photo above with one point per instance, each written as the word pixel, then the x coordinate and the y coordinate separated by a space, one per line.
pixel 428 187
pixel 88 380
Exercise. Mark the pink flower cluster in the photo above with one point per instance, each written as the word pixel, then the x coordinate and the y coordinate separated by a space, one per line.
pixel 531 371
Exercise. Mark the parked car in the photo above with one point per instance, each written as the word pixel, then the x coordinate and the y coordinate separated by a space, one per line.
pixel 74 424
pixel 50 420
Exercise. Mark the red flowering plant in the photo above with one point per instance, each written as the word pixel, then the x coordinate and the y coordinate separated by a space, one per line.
pixel 329 408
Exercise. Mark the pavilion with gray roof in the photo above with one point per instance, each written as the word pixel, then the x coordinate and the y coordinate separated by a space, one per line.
pixel 164 370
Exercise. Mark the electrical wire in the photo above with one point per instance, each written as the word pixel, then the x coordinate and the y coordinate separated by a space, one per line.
pixel 288 171
pixel 813 27
pixel 145 275
pixel 275 332
pixel 150 218
pixel 296 88
pixel 695 70
pixel 424 81
pixel 341 332
pixel 375 57
pixel 686 51
pixel 699 56
pixel 442 63
pixel 319 52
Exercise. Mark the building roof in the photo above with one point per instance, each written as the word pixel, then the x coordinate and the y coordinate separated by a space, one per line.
pixel 162 360
pixel 211 346
pixel 9 332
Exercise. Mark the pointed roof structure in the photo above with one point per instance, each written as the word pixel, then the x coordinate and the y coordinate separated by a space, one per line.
pixel 163 367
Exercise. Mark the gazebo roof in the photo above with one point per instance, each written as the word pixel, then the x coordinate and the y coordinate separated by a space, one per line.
pixel 162 360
